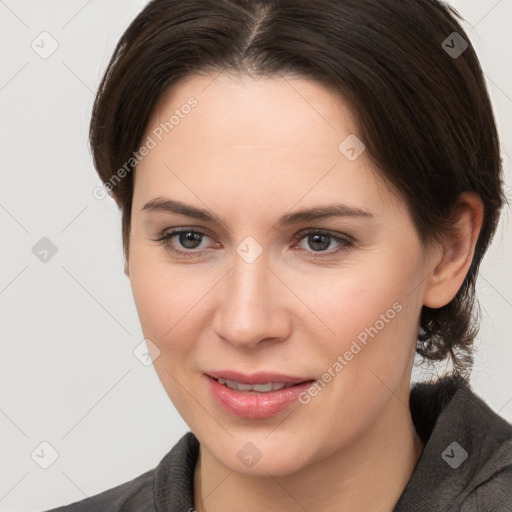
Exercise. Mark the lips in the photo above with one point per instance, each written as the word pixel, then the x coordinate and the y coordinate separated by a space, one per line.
pixel 261 400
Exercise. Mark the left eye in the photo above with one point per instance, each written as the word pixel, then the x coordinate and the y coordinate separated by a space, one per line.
pixel 319 241
pixel 188 239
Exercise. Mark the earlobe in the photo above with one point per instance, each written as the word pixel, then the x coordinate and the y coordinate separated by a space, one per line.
pixel 455 258
pixel 126 271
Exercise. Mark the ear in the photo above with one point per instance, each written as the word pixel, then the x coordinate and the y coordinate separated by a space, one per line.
pixel 453 259
pixel 126 270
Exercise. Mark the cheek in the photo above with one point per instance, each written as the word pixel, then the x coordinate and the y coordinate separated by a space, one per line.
pixel 372 314
pixel 168 305
pixel 160 304
pixel 362 301
pixel 169 300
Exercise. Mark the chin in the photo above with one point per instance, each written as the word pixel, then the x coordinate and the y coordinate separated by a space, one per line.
pixel 262 454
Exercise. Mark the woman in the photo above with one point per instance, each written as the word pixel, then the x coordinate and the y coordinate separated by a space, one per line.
pixel 307 189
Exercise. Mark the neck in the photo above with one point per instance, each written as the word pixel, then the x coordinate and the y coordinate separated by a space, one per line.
pixel 370 474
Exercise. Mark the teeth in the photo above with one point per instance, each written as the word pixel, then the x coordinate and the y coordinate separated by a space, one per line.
pixel 260 388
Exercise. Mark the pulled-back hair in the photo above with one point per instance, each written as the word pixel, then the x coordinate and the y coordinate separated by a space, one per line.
pixel 417 91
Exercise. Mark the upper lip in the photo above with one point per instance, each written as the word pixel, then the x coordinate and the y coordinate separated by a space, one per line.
pixel 257 377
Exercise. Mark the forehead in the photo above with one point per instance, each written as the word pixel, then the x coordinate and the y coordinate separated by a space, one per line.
pixel 278 139
pixel 240 111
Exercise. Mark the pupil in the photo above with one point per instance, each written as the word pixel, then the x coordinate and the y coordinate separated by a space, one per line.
pixel 189 238
pixel 316 239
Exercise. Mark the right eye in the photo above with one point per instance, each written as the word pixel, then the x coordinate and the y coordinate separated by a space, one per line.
pixel 187 238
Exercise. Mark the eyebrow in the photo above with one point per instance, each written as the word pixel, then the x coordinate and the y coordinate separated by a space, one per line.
pixel 306 215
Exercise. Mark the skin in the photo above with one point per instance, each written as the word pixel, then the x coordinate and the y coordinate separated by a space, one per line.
pixel 249 152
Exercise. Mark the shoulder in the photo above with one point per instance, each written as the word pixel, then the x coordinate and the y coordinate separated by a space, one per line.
pixel 466 464
pixel 493 494
pixel 170 483
pixel 135 495
pixel 489 478
pixel 450 404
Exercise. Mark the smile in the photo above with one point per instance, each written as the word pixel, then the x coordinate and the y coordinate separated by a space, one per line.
pixel 259 388
pixel 255 400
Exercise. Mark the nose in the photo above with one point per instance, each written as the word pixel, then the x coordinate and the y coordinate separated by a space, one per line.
pixel 252 306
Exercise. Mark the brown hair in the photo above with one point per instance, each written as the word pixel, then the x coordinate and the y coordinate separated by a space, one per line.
pixel 423 110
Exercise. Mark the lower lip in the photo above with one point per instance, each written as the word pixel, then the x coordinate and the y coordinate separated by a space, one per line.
pixel 255 405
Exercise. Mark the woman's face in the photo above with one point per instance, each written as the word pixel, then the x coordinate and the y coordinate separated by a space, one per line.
pixel 333 299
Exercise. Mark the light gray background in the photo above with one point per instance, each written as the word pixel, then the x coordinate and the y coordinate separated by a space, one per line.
pixel 69 325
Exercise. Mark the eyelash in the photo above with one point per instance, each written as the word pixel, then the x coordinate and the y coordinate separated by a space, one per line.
pixel 345 241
